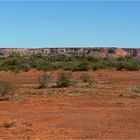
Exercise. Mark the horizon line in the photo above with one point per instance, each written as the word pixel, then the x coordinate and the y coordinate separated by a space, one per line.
pixel 70 47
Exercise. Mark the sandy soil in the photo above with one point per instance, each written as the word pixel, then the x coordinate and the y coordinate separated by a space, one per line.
pixel 103 115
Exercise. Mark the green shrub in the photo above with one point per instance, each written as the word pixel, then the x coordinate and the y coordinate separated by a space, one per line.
pixel 68 66
pixel 95 67
pixel 25 67
pixel 128 66
pixel 81 66
pixel 7 91
pixel 45 66
pixel 15 69
pixel 136 89
pixel 64 80
pixel 12 63
pixel 16 63
pixel 57 65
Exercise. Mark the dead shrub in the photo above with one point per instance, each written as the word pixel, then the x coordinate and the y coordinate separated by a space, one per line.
pixel 7 90
pixel 44 80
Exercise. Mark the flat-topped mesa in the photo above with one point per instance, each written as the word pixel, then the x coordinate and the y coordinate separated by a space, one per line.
pixel 4 52
pixel 102 52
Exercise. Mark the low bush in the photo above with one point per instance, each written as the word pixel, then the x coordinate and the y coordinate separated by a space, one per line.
pixel 136 89
pixel 45 66
pixel 85 77
pixel 9 124
pixel 64 80
pixel 81 66
pixel 25 67
pixel 128 66
pixel 7 91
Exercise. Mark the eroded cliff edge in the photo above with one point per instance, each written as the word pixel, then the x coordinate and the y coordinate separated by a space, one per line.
pixel 102 52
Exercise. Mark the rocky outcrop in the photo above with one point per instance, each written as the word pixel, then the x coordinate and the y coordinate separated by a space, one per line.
pixel 102 52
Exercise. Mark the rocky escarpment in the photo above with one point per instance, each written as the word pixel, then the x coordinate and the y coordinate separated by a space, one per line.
pixel 103 52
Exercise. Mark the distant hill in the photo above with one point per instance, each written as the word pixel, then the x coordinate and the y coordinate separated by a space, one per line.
pixel 102 52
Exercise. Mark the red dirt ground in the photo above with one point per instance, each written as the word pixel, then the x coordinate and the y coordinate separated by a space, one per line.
pixel 105 116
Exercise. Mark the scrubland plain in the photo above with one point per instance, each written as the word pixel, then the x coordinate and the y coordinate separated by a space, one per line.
pixel 107 108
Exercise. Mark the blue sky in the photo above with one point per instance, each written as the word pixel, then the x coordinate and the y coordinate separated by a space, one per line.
pixel 69 24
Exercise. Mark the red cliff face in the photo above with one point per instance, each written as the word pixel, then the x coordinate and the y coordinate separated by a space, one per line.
pixel 116 52
pixel 137 52
pixel 103 52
